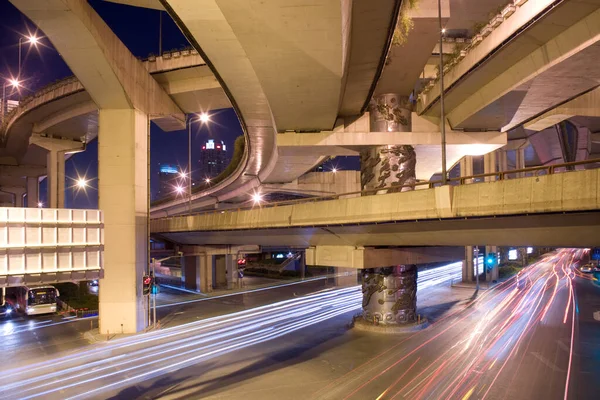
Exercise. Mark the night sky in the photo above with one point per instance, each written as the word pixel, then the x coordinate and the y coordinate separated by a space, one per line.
pixel 138 28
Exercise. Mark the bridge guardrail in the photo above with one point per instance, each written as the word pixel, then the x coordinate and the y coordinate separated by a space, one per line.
pixel 465 180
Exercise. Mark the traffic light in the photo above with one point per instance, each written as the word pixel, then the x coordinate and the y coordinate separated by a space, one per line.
pixel 147 281
pixel 491 260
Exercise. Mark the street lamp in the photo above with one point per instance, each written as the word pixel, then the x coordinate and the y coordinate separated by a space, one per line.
pixel 257 198
pixel 203 118
pixel 81 183
pixel 207 180
pixel 32 39
pixel 15 85
pixel 40 204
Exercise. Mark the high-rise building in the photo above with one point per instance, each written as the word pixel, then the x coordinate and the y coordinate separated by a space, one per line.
pixel 213 159
pixel 168 178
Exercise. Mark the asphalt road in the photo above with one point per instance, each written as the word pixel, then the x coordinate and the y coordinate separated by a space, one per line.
pixel 537 341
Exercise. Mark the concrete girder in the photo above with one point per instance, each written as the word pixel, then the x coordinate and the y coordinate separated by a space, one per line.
pixel 43 125
pixel 533 75
pixel 22 170
pixel 586 105
pixel 154 4
pixel 406 62
pixel 114 78
pixel 361 257
pixel 366 30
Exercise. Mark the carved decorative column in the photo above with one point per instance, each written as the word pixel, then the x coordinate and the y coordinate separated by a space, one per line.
pixel 390 295
pixel 390 165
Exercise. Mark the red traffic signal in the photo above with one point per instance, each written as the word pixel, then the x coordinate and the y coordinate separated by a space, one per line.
pixel 241 261
pixel 147 280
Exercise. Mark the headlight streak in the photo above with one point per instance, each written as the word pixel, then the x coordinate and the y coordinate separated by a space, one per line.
pixel 186 328
pixel 472 366
pixel 228 349
pixel 296 314
pixel 354 300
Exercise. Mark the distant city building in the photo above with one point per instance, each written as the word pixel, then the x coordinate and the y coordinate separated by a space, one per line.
pixel 168 176
pixel 213 159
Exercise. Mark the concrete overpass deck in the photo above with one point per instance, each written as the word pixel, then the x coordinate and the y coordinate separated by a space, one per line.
pixel 560 209
pixel 528 59
pixel 64 109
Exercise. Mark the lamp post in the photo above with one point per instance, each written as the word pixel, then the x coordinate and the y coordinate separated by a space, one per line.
pixel 29 39
pixel 204 118
pixel 442 116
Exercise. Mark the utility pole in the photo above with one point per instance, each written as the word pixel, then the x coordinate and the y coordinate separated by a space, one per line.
pixel 477 267
pixel 442 114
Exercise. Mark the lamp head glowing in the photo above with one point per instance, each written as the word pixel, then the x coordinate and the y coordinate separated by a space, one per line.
pixel 33 39
pixel 81 183
pixel 334 170
pixel 14 83
pixel 40 204
pixel 179 189
pixel 257 198
pixel 207 180
pixel 204 118
pixel 182 174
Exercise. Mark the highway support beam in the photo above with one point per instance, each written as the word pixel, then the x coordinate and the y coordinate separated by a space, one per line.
pixel 389 276
pixel 127 97
pixel 33 191
pixel 468 267
pixel 55 164
pixel 17 192
pixel 197 273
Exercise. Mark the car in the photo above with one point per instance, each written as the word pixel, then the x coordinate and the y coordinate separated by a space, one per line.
pixel 6 311
pixel 587 269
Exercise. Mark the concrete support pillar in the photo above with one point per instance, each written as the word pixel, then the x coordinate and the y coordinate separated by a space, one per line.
pixel 206 274
pixel 502 160
pixel 491 275
pixel 390 294
pixel 17 193
pixel 220 271
pixel 346 276
pixel 383 166
pixel 468 267
pixel 233 278
pixel 33 185
pixel 123 199
pixel 490 166
pixel 301 265
pixel 466 167
pixel 191 272
pixel 56 178
pixel 520 161
pixel 55 160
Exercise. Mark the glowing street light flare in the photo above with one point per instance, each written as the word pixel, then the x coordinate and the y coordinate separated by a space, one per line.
pixel 40 204
pixel 334 170
pixel 257 198
pixel 81 183
pixel 179 189
pixel 182 174
pixel 207 180
pixel 33 39
pixel 204 118
pixel 14 83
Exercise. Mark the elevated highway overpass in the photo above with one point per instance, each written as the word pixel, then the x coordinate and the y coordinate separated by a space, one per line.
pixel 527 60
pixel 560 209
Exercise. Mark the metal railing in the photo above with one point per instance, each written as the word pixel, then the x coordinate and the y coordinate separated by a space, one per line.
pixel 472 179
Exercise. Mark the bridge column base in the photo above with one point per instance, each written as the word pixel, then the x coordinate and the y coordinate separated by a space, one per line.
pixel 123 188
pixel 390 295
